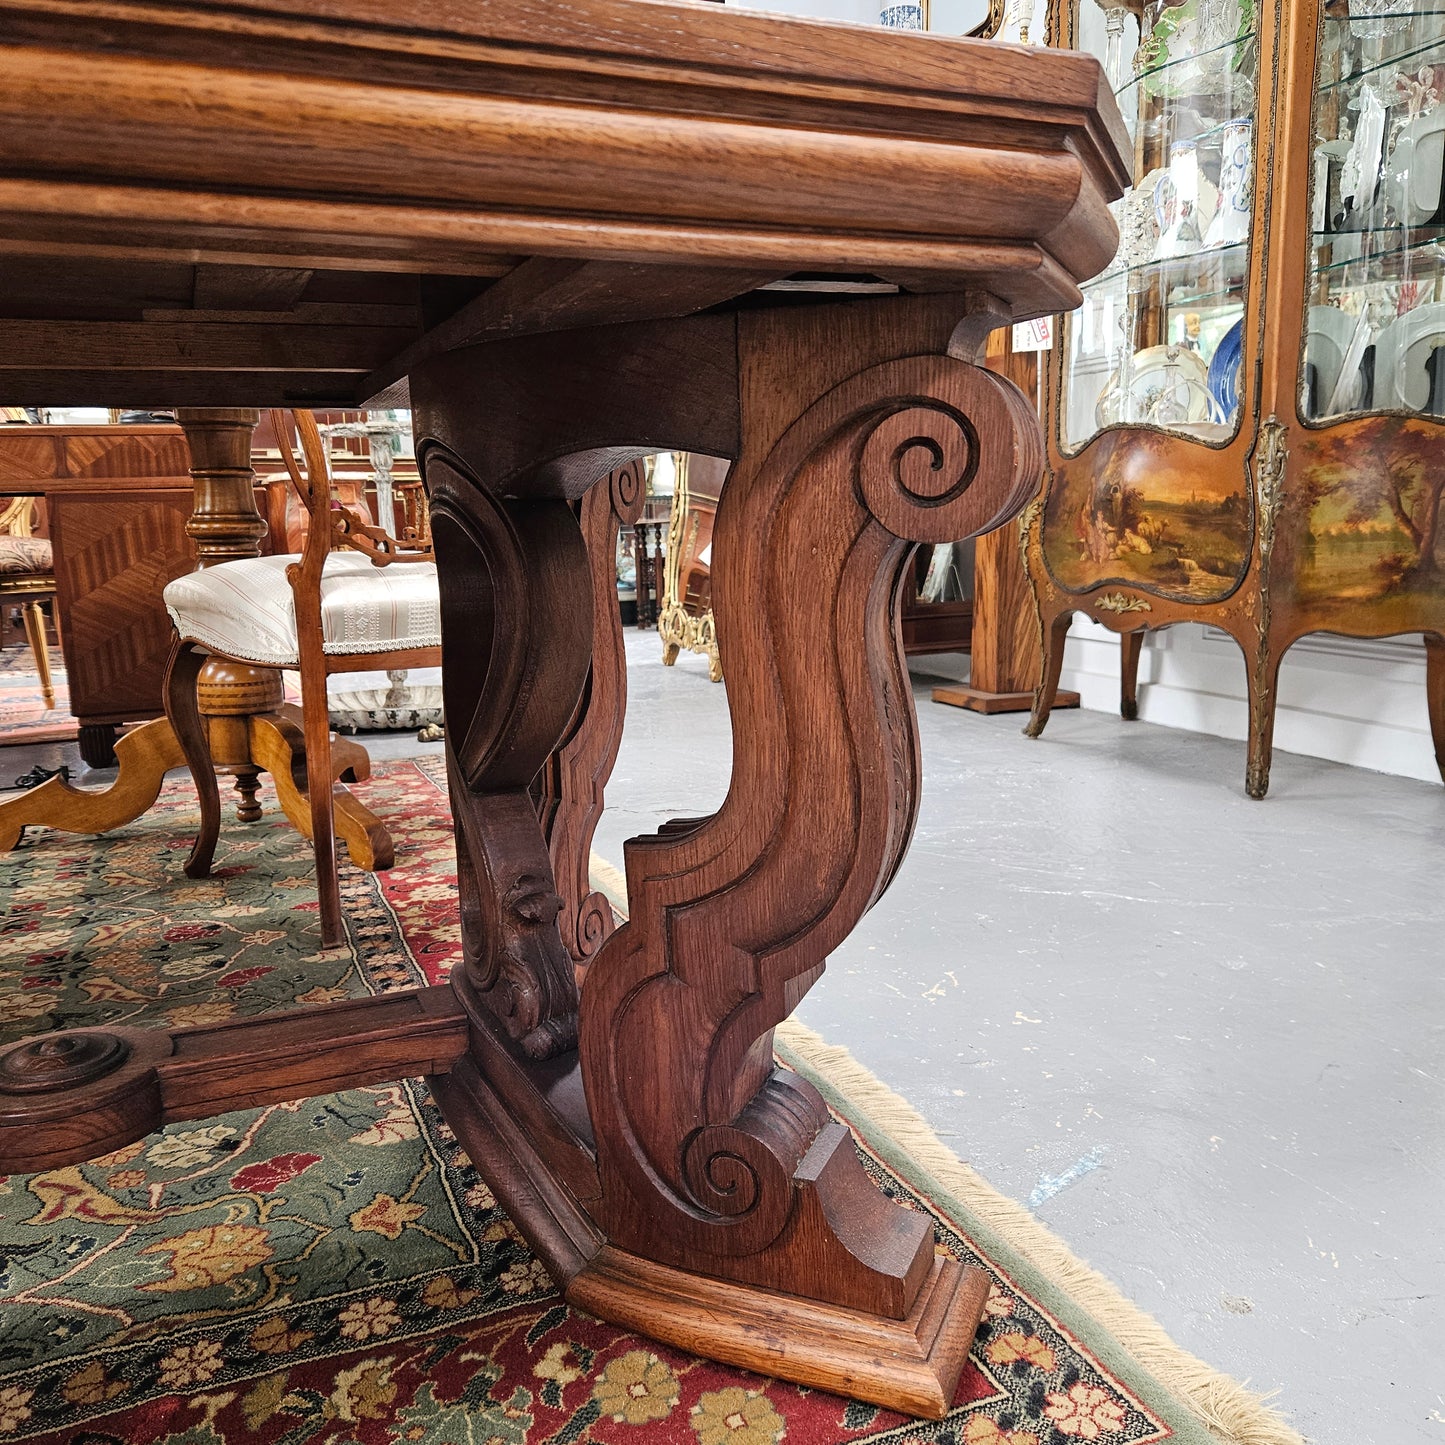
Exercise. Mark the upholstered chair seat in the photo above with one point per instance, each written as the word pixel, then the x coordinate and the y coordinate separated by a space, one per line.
pixel 25 556
pixel 246 609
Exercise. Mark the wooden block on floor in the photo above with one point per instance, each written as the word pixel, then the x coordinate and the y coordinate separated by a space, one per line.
pixel 976 700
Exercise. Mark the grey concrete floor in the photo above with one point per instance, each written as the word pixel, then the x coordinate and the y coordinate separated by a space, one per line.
pixel 1202 1037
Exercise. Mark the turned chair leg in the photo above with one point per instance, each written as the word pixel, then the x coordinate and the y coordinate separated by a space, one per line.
pixel 1131 647
pixel 248 789
pixel 35 636
pixel 183 712
pixel 1052 670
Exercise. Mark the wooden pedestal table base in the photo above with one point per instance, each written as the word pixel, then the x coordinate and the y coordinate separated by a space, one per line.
pixel 251 728
pixel 634 1125
pixel 247 745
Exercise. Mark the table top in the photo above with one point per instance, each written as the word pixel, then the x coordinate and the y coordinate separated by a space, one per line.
pixel 258 203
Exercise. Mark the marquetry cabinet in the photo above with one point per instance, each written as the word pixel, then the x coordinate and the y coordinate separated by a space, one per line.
pixel 117 502
pixel 1245 415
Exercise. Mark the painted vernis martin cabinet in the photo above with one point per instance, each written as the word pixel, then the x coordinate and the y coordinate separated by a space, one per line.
pixel 1245 414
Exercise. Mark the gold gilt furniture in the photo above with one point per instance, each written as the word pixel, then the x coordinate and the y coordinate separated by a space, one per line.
pixel 1245 416
pixel 613 177
pixel 686 620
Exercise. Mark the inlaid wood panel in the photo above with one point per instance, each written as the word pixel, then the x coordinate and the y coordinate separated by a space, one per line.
pixel 115 553
pixel 148 454
pixel 27 454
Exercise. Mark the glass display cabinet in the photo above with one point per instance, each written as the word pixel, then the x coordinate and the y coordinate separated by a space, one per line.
pixel 1245 414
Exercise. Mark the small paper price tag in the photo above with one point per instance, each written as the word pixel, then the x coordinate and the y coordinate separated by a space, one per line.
pixel 1034 335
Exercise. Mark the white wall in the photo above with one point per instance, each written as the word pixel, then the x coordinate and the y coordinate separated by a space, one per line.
pixel 1350 700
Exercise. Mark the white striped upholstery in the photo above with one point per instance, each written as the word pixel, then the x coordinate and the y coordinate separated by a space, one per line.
pixel 244 609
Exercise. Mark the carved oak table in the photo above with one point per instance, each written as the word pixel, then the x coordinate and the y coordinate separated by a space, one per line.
pixel 570 236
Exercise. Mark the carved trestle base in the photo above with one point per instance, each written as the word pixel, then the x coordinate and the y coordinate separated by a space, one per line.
pixel 671 1177
pixel 668 1173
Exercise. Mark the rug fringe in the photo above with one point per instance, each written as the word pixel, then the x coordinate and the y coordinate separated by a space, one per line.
pixel 1229 1410
pixel 1235 1414
pixel 610 882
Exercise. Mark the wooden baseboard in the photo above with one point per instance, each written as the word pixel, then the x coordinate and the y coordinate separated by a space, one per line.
pixel 975 700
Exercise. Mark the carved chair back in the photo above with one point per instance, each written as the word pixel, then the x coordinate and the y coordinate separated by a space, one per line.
pixel 344 520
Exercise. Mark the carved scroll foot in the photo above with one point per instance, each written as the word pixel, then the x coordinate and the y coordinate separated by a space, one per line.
pixel 278 747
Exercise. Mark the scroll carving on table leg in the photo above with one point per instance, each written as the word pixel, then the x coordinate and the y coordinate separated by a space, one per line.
pixel 732 1168
pixel 570 787
pixel 517 630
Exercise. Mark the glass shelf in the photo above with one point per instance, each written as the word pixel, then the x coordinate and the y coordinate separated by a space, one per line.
pixel 1375 326
pixel 1233 260
pixel 1414 51
pixel 1422 247
pixel 1212 63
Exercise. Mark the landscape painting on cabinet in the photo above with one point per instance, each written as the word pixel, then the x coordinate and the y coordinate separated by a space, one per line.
pixel 1367 549
pixel 1142 512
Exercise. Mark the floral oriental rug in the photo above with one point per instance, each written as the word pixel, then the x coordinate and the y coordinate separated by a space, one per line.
pixel 335 1269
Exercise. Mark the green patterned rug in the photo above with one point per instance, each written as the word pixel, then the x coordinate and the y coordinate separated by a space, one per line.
pixel 335 1270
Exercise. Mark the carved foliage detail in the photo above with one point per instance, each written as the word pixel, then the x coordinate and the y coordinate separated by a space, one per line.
pixel 516 625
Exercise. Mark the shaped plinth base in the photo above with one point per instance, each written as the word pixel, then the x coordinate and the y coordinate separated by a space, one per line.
pixel 910 1365
pixel 976 700
pixel 528 1146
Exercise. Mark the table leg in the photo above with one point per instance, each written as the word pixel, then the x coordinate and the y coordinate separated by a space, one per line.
pixel 671 1176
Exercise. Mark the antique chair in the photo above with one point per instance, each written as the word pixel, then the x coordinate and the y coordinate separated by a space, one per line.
pixel 353 600
pixel 27 576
